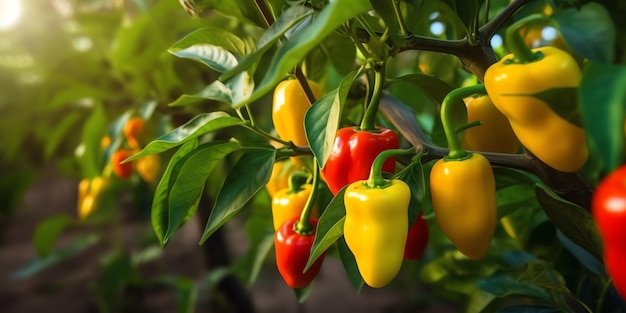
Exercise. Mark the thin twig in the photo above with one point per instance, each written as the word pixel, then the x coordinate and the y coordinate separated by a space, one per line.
pixel 489 29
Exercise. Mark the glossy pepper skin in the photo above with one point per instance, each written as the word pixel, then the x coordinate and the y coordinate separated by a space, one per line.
pixel 494 134
pixel 280 176
pixel 417 239
pixel 289 107
pixel 608 206
pixel 132 131
pixel 464 201
pixel 292 254
pixel 554 140
pixel 354 152
pixel 376 228
pixel 149 167
pixel 288 203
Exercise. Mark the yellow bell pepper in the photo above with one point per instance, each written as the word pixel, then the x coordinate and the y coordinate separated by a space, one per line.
pixel 288 110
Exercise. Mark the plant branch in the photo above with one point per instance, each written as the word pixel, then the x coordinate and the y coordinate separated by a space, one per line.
pixel 489 29
pixel 265 11
pixel 573 187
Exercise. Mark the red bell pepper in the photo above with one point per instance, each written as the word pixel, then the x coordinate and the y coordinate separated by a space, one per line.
pixel 608 206
pixel 292 254
pixel 354 152
pixel 417 239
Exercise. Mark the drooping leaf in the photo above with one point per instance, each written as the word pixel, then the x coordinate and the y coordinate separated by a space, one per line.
pixel 188 177
pixel 349 264
pixel 160 203
pixel 36 265
pixel 584 257
pixel 603 102
pixel 329 228
pixel 413 175
pixel 47 233
pixel 287 19
pixel 573 221
pixel 214 36
pixel 590 31
pixel 294 49
pixel 199 125
pixel 251 172
pixel 321 121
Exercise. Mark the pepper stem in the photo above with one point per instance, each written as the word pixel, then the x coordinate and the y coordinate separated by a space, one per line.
pixel 368 123
pixel 304 226
pixel 521 52
pixel 456 96
pixel 376 179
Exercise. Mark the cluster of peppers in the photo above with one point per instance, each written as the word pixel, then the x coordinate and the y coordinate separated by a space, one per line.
pixel 147 167
pixel 376 209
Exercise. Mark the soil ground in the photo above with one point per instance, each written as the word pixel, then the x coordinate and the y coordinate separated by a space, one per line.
pixel 64 287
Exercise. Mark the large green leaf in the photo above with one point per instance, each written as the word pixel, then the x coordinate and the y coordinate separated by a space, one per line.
pixel 188 177
pixel 504 285
pixel 329 228
pixel 413 175
pixel 590 32
pixel 573 221
pixel 199 125
pixel 160 203
pixel 214 36
pixel 294 49
pixel 48 231
pixel 251 172
pixel 322 119
pixel 602 100
pixel 287 19
pixel 217 91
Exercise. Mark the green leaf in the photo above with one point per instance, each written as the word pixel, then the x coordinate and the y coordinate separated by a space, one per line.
pixel 504 285
pixel 188 177
pixel 251 173
pixel 93 131
pixel 215 57
pixel 38 264
pixel 386 11
pixel 514 198
pixel 590 31
pixel 217 91
pixel 303 293
pixel 329 228
pixel 413 175
pixel 436 88
pixel 294 49
pixel 321 121
pixel 160 203
pixel 602 100
pixel 467 10
pixel 349 264
pixel 287 19
pixel 574 222
pixel 47 233
pixel 260 233
pixel 199 125
pixel 214 36
pixel 562 100
pixel 186 295
pixel 508 176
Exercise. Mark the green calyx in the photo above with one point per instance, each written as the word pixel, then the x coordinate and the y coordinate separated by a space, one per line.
pixel 376 179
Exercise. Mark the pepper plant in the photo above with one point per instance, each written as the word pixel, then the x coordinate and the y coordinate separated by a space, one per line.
pixel 510 220
pixel 391 69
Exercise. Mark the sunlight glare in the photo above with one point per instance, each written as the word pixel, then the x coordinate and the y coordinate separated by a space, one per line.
pixel 10 13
